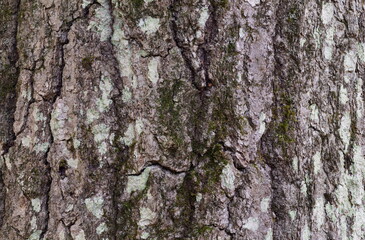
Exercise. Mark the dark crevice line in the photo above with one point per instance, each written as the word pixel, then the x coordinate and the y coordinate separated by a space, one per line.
pixel 13 59
pixel 114 188
pixel 202 50
pixel 161 167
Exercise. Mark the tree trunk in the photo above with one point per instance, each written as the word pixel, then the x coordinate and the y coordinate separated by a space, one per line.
pixel 182 119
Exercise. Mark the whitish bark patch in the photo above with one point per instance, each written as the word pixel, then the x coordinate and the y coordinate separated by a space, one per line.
pixel 138 183
pixel 149 25
pixel 95 206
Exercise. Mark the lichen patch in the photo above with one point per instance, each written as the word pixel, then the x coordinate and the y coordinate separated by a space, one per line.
pixel 101 228
pixel 35 235
pixel 319 214
pixel 36 204
pixel 95 206
pixel 147 217
pixel 254 3
pixel 204 15
pixel 73 162
pixel 101 21
pixel 328 10
pixel 345 129
pixel 129 135
pixel 101 136
pixel 105 87
pixel 228 178
pixel 126 94
pixel 317 164
pixel 252 224
pixel 350 61
pixel 138 183
pixel 343 95
pixel 80 235
pixel 265 204
pixel 153 75
pixel 149 25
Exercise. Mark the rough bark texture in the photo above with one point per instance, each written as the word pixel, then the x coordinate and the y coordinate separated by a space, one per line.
pixel 182 119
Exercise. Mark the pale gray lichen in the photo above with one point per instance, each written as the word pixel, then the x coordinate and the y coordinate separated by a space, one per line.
pixel 26 141
pixel 86 3
pixel 33 223
pixel 80 235
pixel 92 115
pixel 147 216
pixel 303 188
pixel 345 129
pixel 72 162
pixel 41 147
pixel 252 224
pixel 199 197
pixel 328 11
pixel 59 117
pixel 317 37
pixel 317 164
pixel 265 204
pixel 102 21
pixel 329 43
pixel 305 233
pixel 228 178
pixel 361 51
pixel 253 3
pixel 129 135
pixel 126 95
pixel 76 143
pixel 38 116
pixel 149 25
pixel 69 207
pixel 343 95
pixel 262 124
pixel 295 164
pixel 138 183
pixel 314 115
pixel 359 99
pixel 292 214
pixel 95 206
pixel 319 214
pixel 101 228
pixel 350 61
pixel 145 235
pixel 35 235
pixel 36 204
pixel 101 136
pixel 204 15
pixel 123 53
pixel 106 88
pixel 269 235
pixel 153 75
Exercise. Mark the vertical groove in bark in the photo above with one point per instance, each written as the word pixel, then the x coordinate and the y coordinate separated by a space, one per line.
pixel 9 73
pixel 285 114
pixel 59 55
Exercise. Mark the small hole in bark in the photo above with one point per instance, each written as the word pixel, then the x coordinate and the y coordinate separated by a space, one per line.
pixel 87 62
pixel 62 167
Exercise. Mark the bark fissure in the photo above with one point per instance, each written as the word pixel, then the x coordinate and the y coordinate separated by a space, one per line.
pixel 161 167
pixel 201 82
pixel 8 95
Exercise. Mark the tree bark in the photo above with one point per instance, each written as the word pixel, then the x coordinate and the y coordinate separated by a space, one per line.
pixel 182 119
